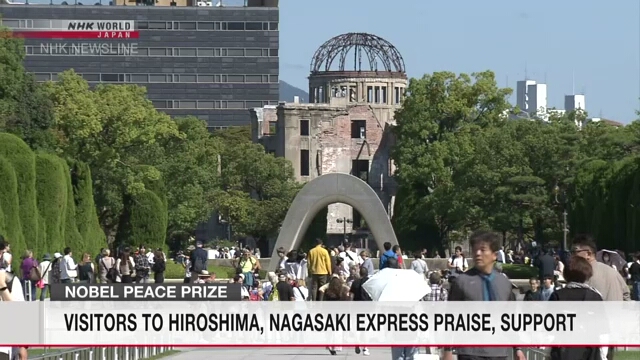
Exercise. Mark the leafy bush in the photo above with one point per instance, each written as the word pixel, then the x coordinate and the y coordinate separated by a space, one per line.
pixel 147 220
pixel 519 272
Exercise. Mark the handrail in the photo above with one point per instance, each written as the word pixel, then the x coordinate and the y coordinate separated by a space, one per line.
pixel 102 353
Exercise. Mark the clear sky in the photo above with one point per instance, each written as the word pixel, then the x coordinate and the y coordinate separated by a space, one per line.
pixel 598 41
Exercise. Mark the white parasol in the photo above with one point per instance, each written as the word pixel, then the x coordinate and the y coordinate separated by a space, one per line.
pixel 397 285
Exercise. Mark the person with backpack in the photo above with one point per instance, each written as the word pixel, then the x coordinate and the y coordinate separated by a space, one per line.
pixel 457 264
pixel 386 255
pixel 56 272
pixel 45 270
pixel 30 275
pixel 199 258
pixel 107 267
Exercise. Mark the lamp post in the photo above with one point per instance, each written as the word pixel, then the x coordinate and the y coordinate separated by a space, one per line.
pixel 344 221
pixel 565 226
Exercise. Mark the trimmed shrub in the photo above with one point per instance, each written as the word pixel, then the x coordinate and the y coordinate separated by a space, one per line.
pixel 158 188
pixel 85 207
pixel 146 215
pixel 52 190
pixel 23 160
pixel 71 235
pixel 10 207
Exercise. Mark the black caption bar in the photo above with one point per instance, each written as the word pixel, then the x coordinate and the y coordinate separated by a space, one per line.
pixel 146 292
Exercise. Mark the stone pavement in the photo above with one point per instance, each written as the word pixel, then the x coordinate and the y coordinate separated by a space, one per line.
pixel 278 354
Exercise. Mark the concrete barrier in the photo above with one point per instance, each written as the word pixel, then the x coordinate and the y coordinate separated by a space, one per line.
pixel 433 264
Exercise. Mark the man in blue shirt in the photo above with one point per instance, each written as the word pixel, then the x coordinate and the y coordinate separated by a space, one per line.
pixel 388 253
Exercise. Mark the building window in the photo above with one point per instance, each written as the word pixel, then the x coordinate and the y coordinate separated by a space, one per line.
pixel 139 78
pixel 235 105
pixel 187 104
pixel 154 25
pixel 273 52
pixel 253 78
pixel 253 26
pixel 253 104
pixel 205 52
pixel 109 77
pixel 304 127
pixel 272 127
pixel 187 52
pixel 235 78
pixel 235 52
pixel 273 26
pixel 205 25
pixel 158 78
pixel 157 52
pixel 358 129
pixel 360 168
pixel 253 52
pixel 187 25
pixel 304 163
pixel 235 26
pixel 205 78
pixel 184 78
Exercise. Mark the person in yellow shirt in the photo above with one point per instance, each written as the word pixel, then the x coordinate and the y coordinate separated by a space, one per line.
pixel 319 267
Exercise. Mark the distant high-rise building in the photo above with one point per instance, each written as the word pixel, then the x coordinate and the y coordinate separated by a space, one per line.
pixel 574 102
pixel 537 100
pixel 522 99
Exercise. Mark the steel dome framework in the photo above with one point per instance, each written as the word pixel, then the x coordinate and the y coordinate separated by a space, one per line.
pixel 376 50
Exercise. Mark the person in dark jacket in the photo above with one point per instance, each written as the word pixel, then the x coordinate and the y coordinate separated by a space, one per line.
pixel 546 263
pixel 577 272
pixel 533 294
pixel 483 283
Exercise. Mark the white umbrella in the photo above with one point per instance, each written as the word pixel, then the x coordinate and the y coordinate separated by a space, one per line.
pixel 397 285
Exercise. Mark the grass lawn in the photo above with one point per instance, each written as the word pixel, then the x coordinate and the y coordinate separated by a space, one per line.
pixel 176 271
pixel 627 355
pixel 519 272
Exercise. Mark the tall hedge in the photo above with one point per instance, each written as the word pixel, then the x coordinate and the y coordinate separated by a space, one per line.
pixel 22 159
pixel 10 226
pixel 86 216
pixel 71 234
pixel 52 190
pixel 147 220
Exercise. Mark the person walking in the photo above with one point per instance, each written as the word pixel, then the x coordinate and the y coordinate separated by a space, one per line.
pixel 336 291
pixel 357 293
pixel 68 267
pixel 159 266
pixel 387 254
pixel 28 266
pixel 199 261
pixel 86 269
pixel 483 283
pixel 605 279
pixel 577 272
pixel 367 263
pixel 105 265
pixel 45 271
pixel 319 265
pixel 143 268
pixel 418 264
pixel 125 266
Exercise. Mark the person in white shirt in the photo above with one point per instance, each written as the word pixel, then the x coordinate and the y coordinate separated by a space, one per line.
pixel 300 292
pixel 350 256
pixel 292 266
pixel 458 263
pixel 419 265
pixel 68 267
pixel 5 258
pixel 45 271
pixel 13 294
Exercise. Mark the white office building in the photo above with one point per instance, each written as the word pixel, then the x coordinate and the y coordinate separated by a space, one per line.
pixel 574 102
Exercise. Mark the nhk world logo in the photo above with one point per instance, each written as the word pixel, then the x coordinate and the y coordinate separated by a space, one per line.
pixel 83 29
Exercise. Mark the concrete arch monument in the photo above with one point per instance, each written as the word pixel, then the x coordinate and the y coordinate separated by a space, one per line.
pixel 330 189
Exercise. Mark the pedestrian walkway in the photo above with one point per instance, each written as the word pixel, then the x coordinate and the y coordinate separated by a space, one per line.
pixel 278 354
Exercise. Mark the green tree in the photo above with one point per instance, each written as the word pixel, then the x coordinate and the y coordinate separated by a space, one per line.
pixel 109 128
pixel 257 189
pixel 25 109
pixel 10 205
pixel 436 124
pixel 189 167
